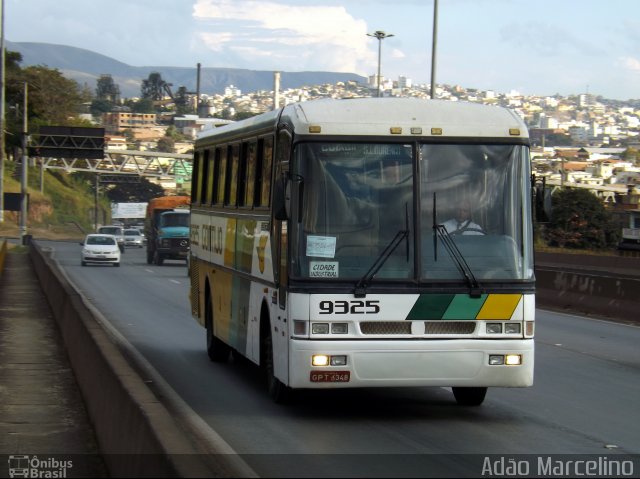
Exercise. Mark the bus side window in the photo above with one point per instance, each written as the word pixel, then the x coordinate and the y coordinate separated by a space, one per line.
pixel 197 160
pixel 204 183
pixel 250 174
pixel 215 176
pixel 222 176
pixel 231 186
pixel 266 152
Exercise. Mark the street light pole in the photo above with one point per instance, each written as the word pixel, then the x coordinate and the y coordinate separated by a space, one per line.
pixel 24 207
pixel 433 49
pixel 2 110
pixel 380 35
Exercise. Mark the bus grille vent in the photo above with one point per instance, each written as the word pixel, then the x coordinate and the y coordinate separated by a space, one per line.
pixel 449 327
pixel 386 327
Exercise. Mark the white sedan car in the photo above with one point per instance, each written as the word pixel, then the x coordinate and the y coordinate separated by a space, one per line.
pixel 100 248
pixel 133 237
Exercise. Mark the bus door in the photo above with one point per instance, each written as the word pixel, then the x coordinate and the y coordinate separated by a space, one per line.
pixel 280 235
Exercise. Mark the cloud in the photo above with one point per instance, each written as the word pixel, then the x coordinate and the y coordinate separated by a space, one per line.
pixel 273 35
pixel 629 63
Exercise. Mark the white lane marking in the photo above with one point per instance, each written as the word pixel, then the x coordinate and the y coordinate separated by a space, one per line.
pixel 174 281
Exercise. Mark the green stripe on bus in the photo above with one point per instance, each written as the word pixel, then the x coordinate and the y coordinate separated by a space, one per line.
pixel 464 306
pixel 430 306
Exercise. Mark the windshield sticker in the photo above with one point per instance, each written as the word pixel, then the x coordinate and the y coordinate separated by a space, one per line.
pixel 321 246
pixel 323 270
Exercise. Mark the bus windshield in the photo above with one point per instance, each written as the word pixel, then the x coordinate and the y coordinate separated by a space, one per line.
pixel 479 195
pixel 357 197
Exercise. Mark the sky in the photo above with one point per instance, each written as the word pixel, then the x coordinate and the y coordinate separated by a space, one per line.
pixel 535 47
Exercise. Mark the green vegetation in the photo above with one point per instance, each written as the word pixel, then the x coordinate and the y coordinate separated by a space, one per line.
pixel 579 220
pixel 65 209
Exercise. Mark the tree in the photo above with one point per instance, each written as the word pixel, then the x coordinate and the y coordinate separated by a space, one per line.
pixel 580 220
pixel 154 87
pixel 52 98
pixel 166 144
pixel 98 107
pixel 107 90
pixel 144 105
pixel 183 106
pixel 631 154
pixel 135 192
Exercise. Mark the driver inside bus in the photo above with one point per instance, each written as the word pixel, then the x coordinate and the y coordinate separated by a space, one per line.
pixel 462 224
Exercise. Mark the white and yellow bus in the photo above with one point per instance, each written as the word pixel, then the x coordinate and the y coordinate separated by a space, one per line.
pixel 320 248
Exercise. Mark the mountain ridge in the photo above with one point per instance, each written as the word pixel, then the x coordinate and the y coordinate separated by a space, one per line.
pixel 86 66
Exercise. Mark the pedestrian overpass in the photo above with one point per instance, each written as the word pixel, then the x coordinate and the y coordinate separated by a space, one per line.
pixel 127 162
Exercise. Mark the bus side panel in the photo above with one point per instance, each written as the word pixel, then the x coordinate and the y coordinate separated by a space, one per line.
pixel 259 295
pixel 237 338
pixel 221 290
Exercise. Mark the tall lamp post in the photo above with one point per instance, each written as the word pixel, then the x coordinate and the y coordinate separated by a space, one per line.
pixel 433 49
pixel 380 35
pixel 24 198
pixel 2 111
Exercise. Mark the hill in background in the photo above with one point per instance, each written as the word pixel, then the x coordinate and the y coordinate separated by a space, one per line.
pixel 85 67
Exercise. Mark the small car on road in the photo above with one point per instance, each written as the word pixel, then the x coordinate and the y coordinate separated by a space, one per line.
pixel 117 231
pixel 100 248
pixel 133 237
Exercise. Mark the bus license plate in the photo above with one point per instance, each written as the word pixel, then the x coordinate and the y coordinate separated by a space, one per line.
pixel 330 376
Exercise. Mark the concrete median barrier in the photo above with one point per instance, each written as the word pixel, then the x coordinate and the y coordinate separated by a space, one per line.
pixel 592 294
pixel 594 285
pixel 138 435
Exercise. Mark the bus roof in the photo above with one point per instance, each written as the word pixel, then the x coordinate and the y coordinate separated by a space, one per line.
pixel 387 117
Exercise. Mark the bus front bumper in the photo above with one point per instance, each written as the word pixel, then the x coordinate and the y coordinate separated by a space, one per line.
pixel 394 363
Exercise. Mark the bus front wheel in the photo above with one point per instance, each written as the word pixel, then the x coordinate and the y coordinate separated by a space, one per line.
pixel 469 396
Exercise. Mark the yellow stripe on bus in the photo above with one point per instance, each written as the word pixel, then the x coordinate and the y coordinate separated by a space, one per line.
pixel 499 306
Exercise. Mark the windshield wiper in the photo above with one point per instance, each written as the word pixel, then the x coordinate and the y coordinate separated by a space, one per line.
pixel 439 231
pixel 361 286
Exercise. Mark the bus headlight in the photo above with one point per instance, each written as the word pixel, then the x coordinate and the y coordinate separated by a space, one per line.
pixel 494 328
pixel 339 328
pixel 512 328
pixel 320 328
pixel 505 359
pixel 338 361
pixel 513 359
pixel 326 360
pixel 320 360
pixel 496 359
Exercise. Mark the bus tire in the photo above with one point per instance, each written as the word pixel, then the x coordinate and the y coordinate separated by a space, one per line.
pixel 469 396
pixel 276 390
pixel 217 350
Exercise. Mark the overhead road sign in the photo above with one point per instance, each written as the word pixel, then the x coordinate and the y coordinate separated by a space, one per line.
pixel 69 142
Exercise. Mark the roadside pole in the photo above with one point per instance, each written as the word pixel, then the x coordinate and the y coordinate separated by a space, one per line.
pixel 2 110
pixel 24 207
